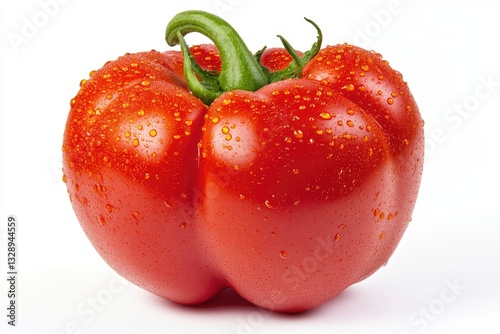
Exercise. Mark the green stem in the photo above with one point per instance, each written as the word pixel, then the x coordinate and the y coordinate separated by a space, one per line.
pixel 240 70
pixel 294 70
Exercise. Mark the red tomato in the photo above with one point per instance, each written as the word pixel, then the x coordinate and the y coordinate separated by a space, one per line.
pixel 288 192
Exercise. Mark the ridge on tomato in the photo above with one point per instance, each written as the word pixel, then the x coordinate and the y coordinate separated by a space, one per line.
pixel 283 175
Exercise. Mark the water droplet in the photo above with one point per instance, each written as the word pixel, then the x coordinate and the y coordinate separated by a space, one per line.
pixel 101 220
pixel 153 133
pixel 326 115
pixel 349 87
pixel 268 204
pixel 298 134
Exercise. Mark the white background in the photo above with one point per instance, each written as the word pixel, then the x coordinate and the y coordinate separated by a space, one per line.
pixel 443 278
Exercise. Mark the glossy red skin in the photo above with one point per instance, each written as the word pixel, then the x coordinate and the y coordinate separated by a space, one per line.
pixel 288 195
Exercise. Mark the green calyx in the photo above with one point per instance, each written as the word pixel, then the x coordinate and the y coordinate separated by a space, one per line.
pixel 240 68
